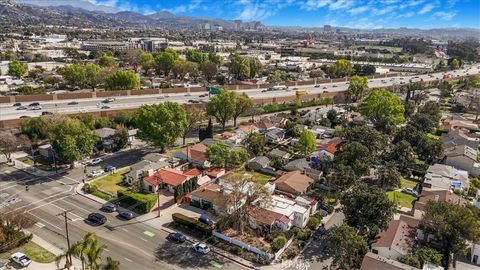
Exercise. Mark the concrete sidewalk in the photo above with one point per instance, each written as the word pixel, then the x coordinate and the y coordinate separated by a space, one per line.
pixel 77 264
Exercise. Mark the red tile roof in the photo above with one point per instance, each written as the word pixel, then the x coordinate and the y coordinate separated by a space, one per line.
pixel 167 176
pixel 331 148
pixel 192 172
pixel 215 172
pixel 196 152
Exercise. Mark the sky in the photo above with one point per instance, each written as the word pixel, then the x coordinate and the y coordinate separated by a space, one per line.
pixel 423 14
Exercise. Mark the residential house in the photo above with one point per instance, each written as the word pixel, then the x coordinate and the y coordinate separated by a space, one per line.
pixel 263 125
pixel 440 176
pixel 300 164
pixel 458 137
pixel 396 241
pixel 106 138
pixel 194 154
pixel 298 210
pixel 463 157
pixel 261 164
pixel 475 253
pixel 275 135
pixel 165 178
pixel 279 154
pixel 214 173
pixel 328 148
pixel 293 183
pixel 477 199
pixel 438 196
pixel 143 168
pixel 215 197
pixel 373 261
pixel 260 218
pixel 313 173
pixel 456 122
pixel 247 129
pixel 278 120
pixel 322 132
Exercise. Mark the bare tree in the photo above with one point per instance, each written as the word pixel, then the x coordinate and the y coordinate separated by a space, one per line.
pixel 8 144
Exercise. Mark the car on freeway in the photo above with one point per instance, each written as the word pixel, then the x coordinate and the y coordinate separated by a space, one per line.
pixel 108 100
pixel 203 95
pixel 324 87
pixel 95 161
pixel 34 104
pixel 109 168
pixel 21 259
pixel 193 101
pixel 205 219
pixel 109 207
pixel 201 248
pixel 105 107
pixel 72 103
pixel 21 108
pixel 17 104
pixel 325 91
pixel 188 94
pixel 334 86
pixel 25 116
pixel 94 173
pixel 177 237
pixel 97 219
pixel 47 113
pixel 264 90
pixel 126 215
pixel 410 191
pixel 36 108
pixel 317 85
pixel 295 88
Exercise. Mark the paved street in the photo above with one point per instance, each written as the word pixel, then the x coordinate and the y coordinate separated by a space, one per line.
pixel 313 258
pixel 135 244
pixel 90 105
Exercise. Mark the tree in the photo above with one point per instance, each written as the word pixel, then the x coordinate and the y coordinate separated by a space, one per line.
pixel 17 69
pixel 122 80
pixel 88 75
pixel 182 68
pixel 388 176
pixel 423 122
pixel 35 128
pixel 93 75
pixel 429 255
pixel 410 260
pixel 332 116
pixel 222 107
pixel 343 177
pixel 8 144
pixel 346 247
pixel 207 132
pixel 208 69
pixel 277 76
pixel 367 136
pixel 121 136
pixel 355 155
pixel 111 264
pixel 279 242
pixel 242 104
pixel 381 105
pixel 106 61
pixel 452 225
pixel 340 68
pixel 221 155
pixel 161 124
pixel 71 139
pixel 316 73
pixel 255 143
pixel 196 56
pixel 364 70
pixel 367 209
pixel 357 87
pixel 165 60
pixel 307 143
pixel 402 155
pixel 454 63
pixel 145 60
pixel 429 149
pixel 194 116
pixel 215 58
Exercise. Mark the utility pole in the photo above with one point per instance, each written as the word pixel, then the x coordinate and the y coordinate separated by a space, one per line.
pixel 158 200
pixel 64 215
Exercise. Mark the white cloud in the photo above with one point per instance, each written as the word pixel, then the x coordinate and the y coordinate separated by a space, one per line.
pixel 186 8
pixel 341 4
pixel 406 15
pixel 331 4
pixel 446 16
pixel 427 8
pixel 358 10
pixel 384 10
pixel 315 4
pixel 255 12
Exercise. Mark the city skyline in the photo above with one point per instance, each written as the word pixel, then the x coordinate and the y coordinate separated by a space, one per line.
pixel 310 13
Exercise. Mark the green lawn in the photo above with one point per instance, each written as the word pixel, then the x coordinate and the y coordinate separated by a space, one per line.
pixel 112 182
pixel 401 198
pixel 433 136
pixel 258 177
pixel 407 183
pixel 35 252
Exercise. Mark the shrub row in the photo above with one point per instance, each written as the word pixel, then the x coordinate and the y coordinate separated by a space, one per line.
pixel 191 223
pixel 141 202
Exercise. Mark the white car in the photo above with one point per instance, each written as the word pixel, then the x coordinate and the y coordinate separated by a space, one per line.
pixel 410 191
pixel 201 248
pixel 20 259
pixel 95 173
pixel 94 161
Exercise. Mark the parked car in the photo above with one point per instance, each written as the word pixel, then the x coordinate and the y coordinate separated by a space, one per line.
pixel 21 108
pixel 109 168
pixel 95 173
pixel 323 213
pixel 34 104
pixel 205 219
pixel 126 215
pixel 410 191
pixel 319 232
pixel 109 207
pixel 20 259
pixel 177 237
pixel 17 104
pixel 201 248
pixel 95 161
pixel 325 206
pixel 97 219
pixel 72 103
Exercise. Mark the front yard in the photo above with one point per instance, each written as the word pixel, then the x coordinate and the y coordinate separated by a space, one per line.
pixel 402 199
pixel 35 252
pixel 111 182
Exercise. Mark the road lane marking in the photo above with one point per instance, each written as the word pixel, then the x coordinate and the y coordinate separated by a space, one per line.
pixel 41 200
pixel 47 203
pixel 148 233
pixel 127 259
pixel 39 225
pixel 8 186
pixel 125 230
pixel 43 220
pixel 144 239
pixel 76 206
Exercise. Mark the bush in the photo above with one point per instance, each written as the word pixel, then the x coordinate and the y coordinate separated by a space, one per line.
pixel 28 90
pixel 235 250
pixel 142 202
pixel 278 243
pixel 261 260
pixel 303 234
pixel 313 222
pixel 192 223
pixel 410 260
pixel 291 254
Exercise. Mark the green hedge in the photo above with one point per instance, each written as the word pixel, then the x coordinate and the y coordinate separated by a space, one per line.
pixel 141 202
pixel 192 223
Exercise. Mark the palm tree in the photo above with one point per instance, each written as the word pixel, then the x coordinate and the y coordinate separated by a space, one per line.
pixel 80 248
pixel 111 264
pixel 94 253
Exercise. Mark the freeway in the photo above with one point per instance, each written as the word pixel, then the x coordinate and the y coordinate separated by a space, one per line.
pixel 8 111
pixel 134 243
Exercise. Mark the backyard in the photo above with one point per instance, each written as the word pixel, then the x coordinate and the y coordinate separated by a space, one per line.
pixel 408 183
pixel 402 199
pixel 258 177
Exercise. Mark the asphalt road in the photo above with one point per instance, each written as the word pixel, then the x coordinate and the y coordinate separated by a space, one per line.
pixel 89 105
pixel 135 244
